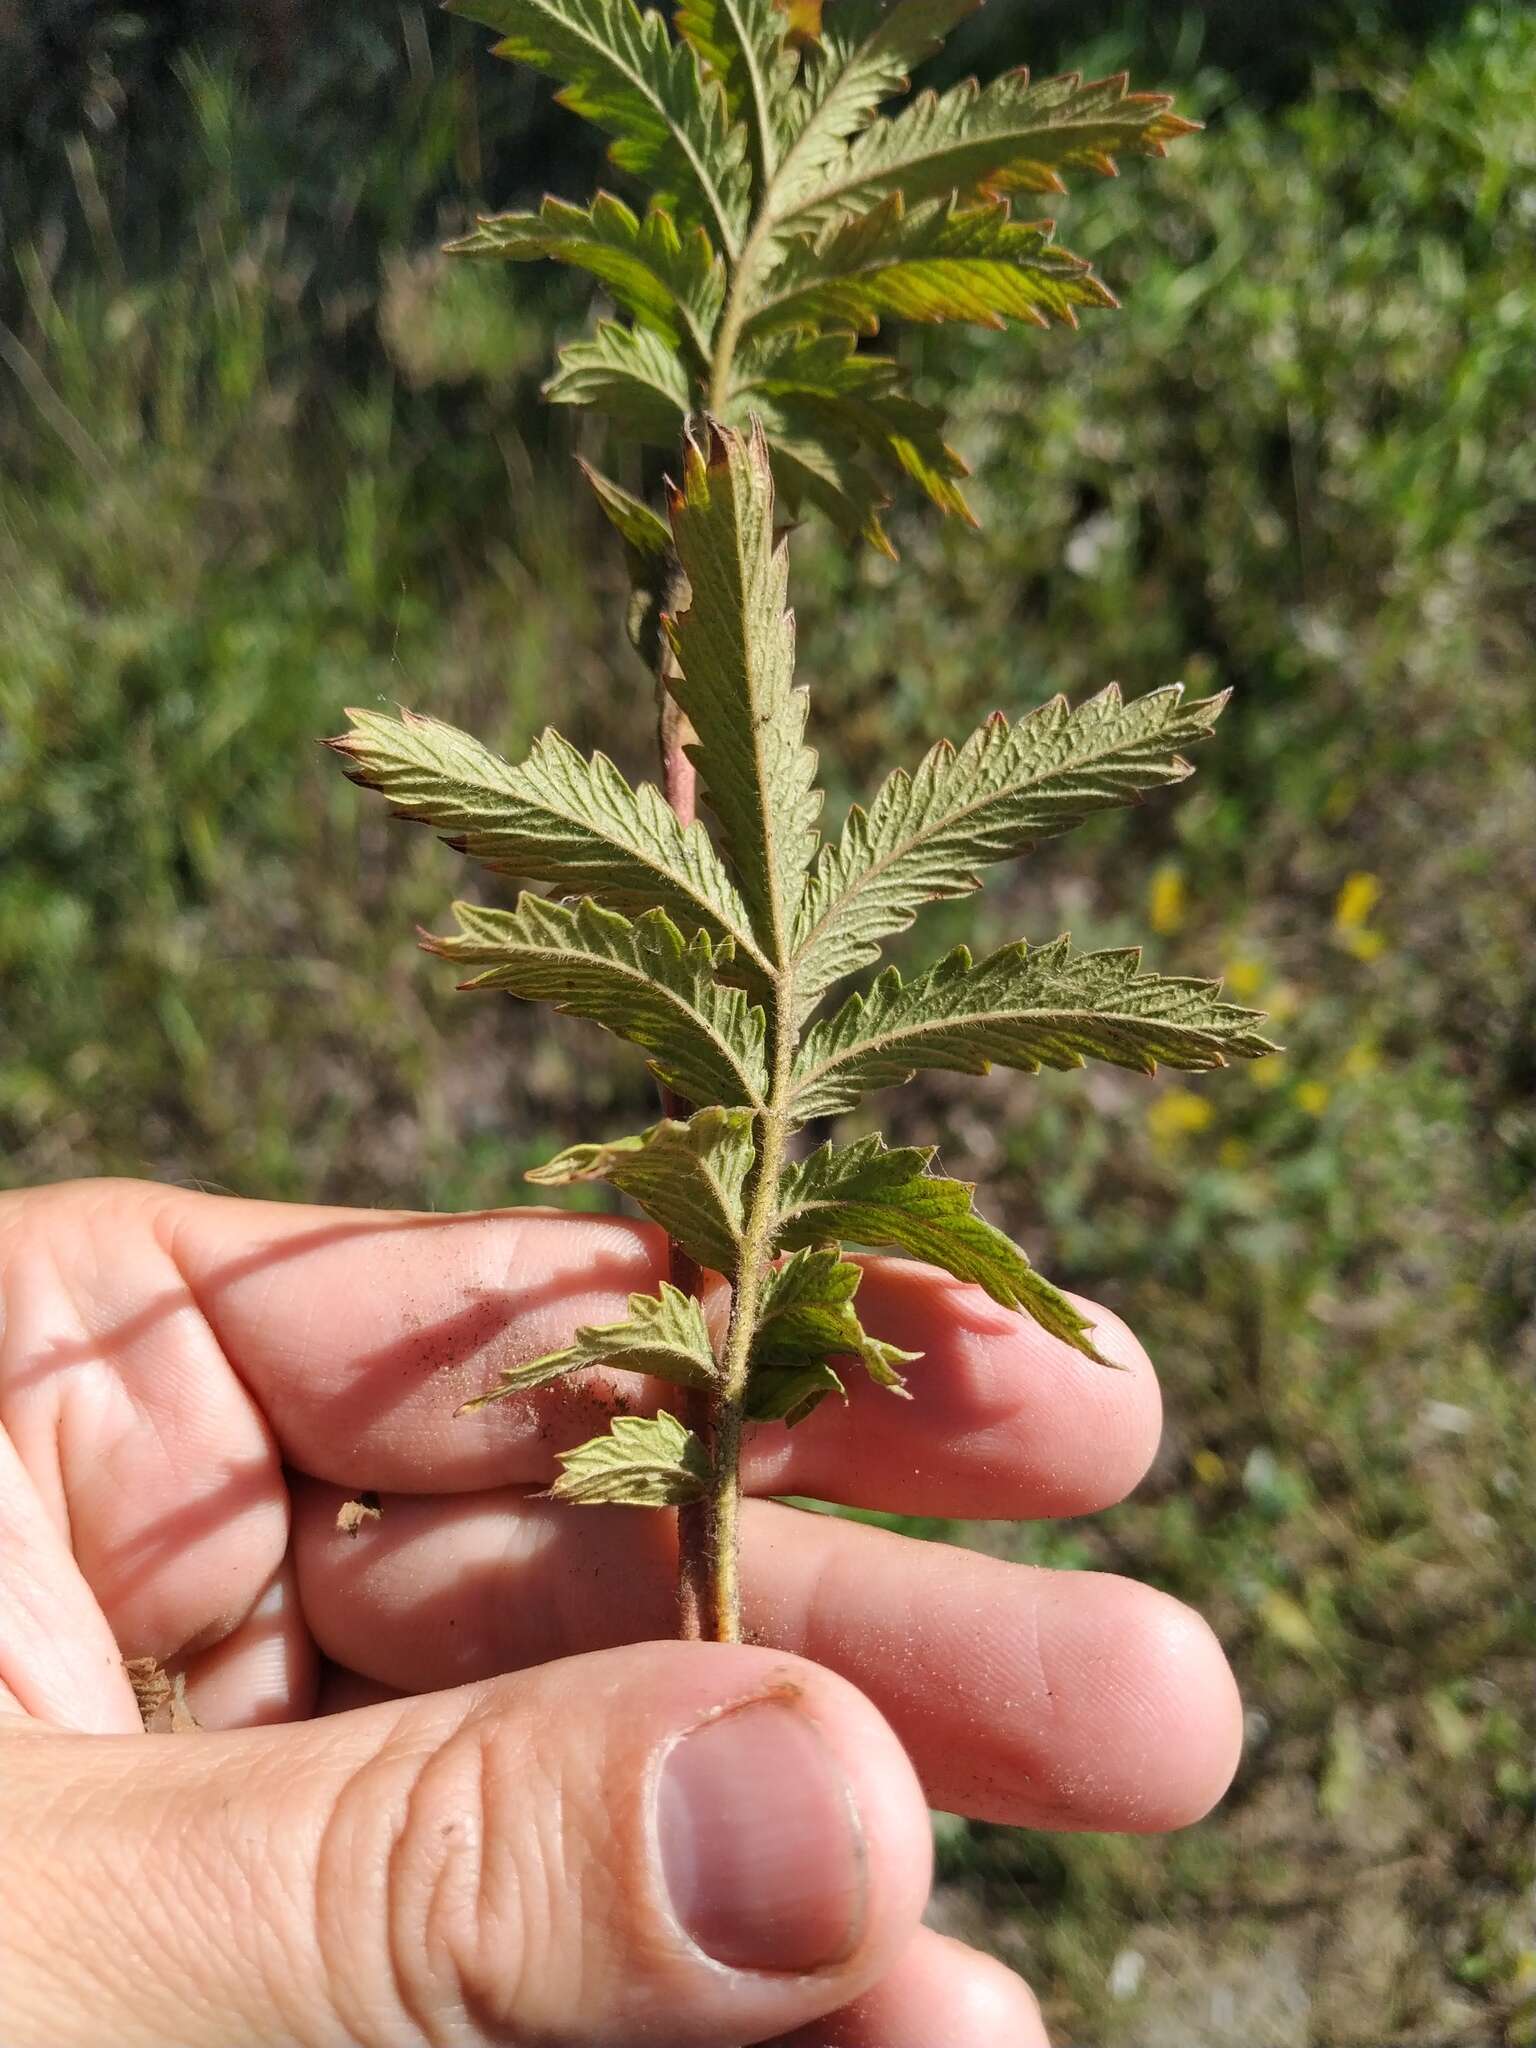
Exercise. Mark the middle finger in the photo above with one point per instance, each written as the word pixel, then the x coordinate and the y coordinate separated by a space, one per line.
pixel 1041 1698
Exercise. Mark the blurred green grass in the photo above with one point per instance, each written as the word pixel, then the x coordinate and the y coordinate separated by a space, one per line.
pixel 239 490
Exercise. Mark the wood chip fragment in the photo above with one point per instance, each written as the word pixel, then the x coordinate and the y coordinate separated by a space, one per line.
pixel 161 1697
pixel 354 1513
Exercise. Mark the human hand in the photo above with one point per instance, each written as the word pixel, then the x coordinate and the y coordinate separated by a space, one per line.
pixel 190 1389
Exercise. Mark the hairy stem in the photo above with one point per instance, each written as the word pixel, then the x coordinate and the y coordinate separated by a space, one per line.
pixel 679 781
pixel 722 1621
pixel 708 1532
pixel 734 317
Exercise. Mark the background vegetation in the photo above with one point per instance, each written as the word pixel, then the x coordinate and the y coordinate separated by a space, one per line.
pixel 262 454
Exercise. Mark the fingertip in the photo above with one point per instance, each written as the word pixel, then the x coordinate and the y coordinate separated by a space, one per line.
pixel 938 1991
pixel 1166 1702
pixel 1124 1427
pixel 1045 1429
pixel 1176 1661
pixel 989 2004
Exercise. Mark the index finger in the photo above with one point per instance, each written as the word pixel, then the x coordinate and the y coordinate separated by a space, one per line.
pixel 360 1334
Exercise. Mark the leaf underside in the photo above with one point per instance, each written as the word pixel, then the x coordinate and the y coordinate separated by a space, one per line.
pixel 556 817
pixel 619 69
pixel 926 834
pixel 1021 1007
pixel 765 927
pixel 807 1317
pixel 868 1194
pixel 640 979
pixel 735 646
pixel 688 1177
pixel 664 1336
pixel 642 1462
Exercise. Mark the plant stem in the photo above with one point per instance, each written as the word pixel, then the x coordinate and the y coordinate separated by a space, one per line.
pixel 679 782
pixel 733 319
pixel 722 1621
pixel 708 1532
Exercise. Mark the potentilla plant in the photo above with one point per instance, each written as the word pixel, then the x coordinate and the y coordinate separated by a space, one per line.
pixel 788 213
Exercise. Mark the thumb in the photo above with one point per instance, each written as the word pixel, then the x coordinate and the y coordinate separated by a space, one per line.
pixel 676 1843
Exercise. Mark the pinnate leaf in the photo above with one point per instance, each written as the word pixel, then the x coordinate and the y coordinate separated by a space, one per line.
pixel 867 50
pixel 1021 1007
pixel 556 817
pixel 935 263
pixel 1016 134
pixel 621 70
pixel 673 283
pixel 641 980
pixel 688 1177
pixel 629 374
pixel 642 1462
pixel 807 1315
pixel 1008 787
pixel 887 1199
pixel 663 1335
pixel 735 646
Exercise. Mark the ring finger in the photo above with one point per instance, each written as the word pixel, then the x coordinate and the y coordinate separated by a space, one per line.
pixel 1089 1702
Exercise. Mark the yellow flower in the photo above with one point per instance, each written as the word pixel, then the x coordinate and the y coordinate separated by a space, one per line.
pixel 1268 1074
pixel 1356 900
pixel 1365 945
pixel 1210 1467
pixel 1177 1113
pixel 1312 1096
pixel 1233 1153
pixel 1360 1061
pixel 1165 899
pixel 1244 977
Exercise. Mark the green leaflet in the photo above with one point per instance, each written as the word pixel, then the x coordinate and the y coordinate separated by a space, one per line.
pixel 555 818
pixel 642 981
pixel 816 390
pixel 631 375
pixel 649 535
pixel 825 366
pixel 789 1393
pixel 1023 1008
pixel 808 472
pixel 622 71
pixel 934 263
pixel 925 834
pixel 743 43
pixel 867 50
pixel 688 1177
pixel 807 1315
pixel 673 283
pixel 643 1462
pixel 735 646
pixel 865 1194
pixel 1016 134
pixel 664 1335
